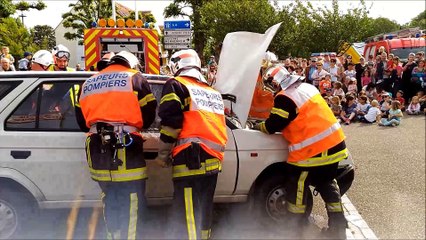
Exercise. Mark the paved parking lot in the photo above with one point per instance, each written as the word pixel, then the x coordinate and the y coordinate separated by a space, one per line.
pixel 388 192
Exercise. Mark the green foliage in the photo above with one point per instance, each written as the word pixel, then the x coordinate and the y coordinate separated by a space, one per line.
pixel 14 35
pixel 43 36
pixel 177 9
pixel 418 21
pixel 82 14
pixel 7 7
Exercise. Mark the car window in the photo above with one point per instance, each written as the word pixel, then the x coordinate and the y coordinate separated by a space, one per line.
pixel 50 107
pixel 7 86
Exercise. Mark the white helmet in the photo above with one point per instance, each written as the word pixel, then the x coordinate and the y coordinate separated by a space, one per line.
pixel 43 57
pixel 186 63
pixel 127 57
pixel 279 76
pixel 184 60
pixel 60 51
pixel 268 59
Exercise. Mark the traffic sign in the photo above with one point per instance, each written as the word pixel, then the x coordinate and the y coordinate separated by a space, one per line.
pixel 177 32
pixel 177 46
pixel 180 39
pixel 180 24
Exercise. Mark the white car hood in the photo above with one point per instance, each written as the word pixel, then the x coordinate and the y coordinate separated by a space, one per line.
pixel 239 65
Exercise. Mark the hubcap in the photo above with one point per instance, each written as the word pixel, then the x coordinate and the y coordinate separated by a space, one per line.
pixel 8 220
pixel 276 204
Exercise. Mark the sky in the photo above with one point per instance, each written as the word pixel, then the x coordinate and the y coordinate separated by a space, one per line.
pixel 401 11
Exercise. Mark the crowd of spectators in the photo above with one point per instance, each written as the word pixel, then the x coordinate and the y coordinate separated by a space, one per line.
pixel 377 90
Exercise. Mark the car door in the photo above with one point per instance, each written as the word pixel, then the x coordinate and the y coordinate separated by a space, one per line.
pixel 41 140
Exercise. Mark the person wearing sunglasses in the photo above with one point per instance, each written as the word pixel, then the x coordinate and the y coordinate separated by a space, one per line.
pixel 318 73
pixel 61 56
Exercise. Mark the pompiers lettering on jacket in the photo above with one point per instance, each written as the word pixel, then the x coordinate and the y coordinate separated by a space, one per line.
pixel 107 82
pixel 206 99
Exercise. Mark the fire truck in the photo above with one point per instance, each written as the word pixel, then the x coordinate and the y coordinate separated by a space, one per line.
pixel 400 43
pixel 113 36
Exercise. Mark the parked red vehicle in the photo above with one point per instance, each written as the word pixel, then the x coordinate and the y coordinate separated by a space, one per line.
pixel 400 43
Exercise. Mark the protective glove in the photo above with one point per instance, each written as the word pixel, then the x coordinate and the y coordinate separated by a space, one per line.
pixel 163 158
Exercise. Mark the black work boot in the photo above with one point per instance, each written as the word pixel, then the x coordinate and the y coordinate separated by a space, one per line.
pixel 337 225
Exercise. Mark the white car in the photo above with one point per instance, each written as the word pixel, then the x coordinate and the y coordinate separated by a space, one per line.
pixel 43 162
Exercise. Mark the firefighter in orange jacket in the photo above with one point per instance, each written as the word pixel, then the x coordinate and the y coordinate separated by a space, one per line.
pixel 316 145
pixel 114 105
pixel 263 100
pixel 193 130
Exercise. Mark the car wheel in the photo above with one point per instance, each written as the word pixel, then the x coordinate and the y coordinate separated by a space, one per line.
pixel 15 210
pixel 270 200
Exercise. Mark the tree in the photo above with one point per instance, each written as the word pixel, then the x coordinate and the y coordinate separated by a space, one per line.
pixel 43 36
pixel 14 35
pixel 383 25
pixel 418 21
pixel 83 14
pixel 176 9
pixel 8 8
pixel 220 17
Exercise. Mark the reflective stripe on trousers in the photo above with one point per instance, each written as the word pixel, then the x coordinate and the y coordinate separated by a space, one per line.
pixel 299 207
pixel 208 143
pixel 210 165
pixel 189 213
pixel 119 175
pixel 323 160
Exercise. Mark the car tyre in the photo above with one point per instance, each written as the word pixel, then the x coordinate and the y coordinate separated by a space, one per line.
pixel 15 212
pixel 270 203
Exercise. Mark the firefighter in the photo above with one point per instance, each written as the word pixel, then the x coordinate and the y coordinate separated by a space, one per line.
pixel 263 100
pixel 193 130
pixel 114 105
pixel 316 145
pixel 61 57
pixel 41 61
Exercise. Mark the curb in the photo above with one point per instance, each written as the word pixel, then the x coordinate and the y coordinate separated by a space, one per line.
pixel 358 228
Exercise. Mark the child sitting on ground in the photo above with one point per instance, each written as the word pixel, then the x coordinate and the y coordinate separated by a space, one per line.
pixel 362 106
pixel 414 107
pixel 336 107
pixel 352 88
pixel 338 90
pixel 373 113
pixel 399 97
pixel 394 117
pixel 348 112
pixel 325 84
pixel 385 104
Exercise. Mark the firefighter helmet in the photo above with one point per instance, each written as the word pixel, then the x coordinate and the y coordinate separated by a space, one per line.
pixel 126 58
pixel 60 51
pixel 277 77
pixel 184 60
pixel 105 60
pixel 43 57
pixel 269 59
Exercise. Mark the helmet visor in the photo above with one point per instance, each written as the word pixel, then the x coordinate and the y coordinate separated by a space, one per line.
pixel 63 54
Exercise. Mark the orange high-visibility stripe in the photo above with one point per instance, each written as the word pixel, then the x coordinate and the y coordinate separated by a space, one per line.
pixel 315 122
pixel 112 106
pixel 203 124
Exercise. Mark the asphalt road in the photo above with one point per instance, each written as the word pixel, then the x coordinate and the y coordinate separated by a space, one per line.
pixel 389 193
pixel 389 186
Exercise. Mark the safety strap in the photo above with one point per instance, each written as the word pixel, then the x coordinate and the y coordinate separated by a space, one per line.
pixel 118 128
pixel 294 147
pixel 208 143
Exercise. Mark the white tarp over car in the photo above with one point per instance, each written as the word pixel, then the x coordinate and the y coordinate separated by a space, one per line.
pixel 239 66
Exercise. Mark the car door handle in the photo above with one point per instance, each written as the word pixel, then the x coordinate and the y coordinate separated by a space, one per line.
pixel 20 154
